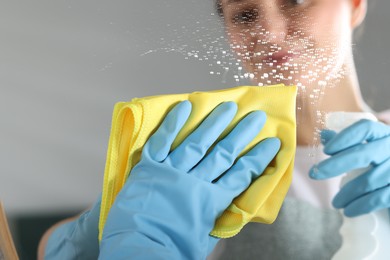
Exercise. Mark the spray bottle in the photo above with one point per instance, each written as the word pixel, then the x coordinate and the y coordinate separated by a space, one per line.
pixel 365 237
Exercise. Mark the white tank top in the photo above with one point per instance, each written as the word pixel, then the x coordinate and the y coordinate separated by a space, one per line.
pixel 317 193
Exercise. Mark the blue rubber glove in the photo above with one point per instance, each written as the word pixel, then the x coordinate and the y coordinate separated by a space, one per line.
pixel 363 144
pixel 170 202
pixel 77 239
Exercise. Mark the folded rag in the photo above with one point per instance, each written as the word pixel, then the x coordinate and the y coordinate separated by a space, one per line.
pixel 134 122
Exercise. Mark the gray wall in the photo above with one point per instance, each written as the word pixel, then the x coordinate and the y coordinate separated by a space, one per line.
pixel 372 55
pixel 65 63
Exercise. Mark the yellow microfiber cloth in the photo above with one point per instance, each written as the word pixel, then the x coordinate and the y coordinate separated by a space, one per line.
pixel 134 122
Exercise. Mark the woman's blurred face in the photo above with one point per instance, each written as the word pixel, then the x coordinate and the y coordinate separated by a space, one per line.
pixel 295 42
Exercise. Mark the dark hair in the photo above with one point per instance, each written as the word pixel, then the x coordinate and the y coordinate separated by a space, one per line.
pixel 218 6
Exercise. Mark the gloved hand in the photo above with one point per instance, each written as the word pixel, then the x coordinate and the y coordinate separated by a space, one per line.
pixel 171 200
pixel 363 144
pixel 77 239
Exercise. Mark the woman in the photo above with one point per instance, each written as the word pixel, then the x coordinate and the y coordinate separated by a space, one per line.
pixel 296 42
pixel 305 43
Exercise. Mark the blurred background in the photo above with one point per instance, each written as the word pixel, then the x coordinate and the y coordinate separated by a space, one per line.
pixel 65 63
